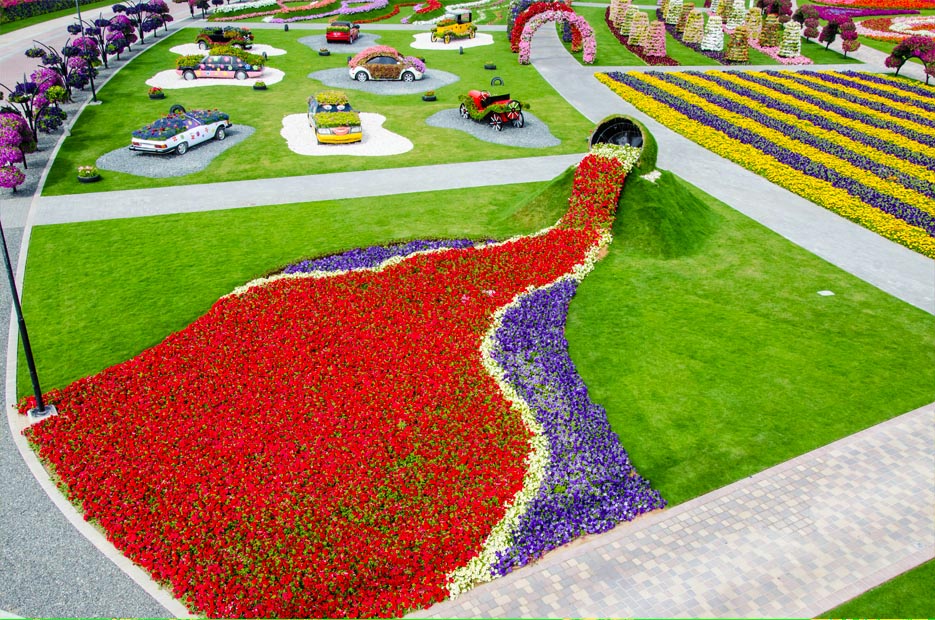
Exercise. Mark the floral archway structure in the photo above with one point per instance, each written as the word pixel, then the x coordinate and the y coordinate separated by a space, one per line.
pixel 516 30
pixel 576 21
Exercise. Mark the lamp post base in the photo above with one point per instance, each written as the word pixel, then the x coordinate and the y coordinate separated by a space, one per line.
pixel 36 414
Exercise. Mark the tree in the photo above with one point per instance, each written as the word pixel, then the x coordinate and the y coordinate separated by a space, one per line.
pixel 916 46
pixel 140 15
pixel 782 9
pixel 830 32
pixel 15 134
pixel 849 36
pixel 37 103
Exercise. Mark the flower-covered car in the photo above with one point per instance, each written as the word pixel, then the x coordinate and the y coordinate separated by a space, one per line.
pixel 342 32
pixel 457 25
pixel 334 120
pixel 495 110
pixel 190 67
pixel 229 35
pixel 382 62
pixel 180 130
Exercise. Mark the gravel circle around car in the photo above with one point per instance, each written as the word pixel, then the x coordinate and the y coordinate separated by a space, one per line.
pixel 170 80
pixel 339 78
pixel 318 41
pixel 423 41
pixel 157 166
pixel 192 49
pixel 534 135
pixel 300 138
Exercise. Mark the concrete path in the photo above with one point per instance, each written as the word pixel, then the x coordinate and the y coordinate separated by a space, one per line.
pixel 793 541
pixel 796 539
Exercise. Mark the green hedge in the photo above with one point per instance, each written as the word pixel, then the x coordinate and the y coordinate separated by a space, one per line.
pixel 39 7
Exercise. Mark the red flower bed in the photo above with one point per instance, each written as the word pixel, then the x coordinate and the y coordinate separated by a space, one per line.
pixel 318 446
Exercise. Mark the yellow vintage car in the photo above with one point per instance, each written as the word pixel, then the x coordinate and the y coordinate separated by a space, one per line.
pixel 454 26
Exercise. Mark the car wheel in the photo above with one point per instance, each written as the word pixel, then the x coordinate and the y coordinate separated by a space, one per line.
pixel 182 148
pixel 433 38
pixel 519 121
pixel 202 45
pixel 447 39
pixel 361 76
pixel 189 75
pixel 496 122
pixel 472 34
pixel 241 75
pixel 177 108
pixel 220 134
pixel 407 76
pixel 464 112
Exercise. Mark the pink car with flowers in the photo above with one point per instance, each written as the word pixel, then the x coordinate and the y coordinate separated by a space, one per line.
pixel 180 130
pixel 382 62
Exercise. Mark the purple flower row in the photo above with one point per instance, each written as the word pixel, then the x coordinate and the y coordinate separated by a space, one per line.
pixel 345 9
pixel 867 119
pixel 364 258
pixel 879 92
pixel 900 152
pixel 872 105
pixel 829 13
pixel 796 133
pixel 589 485
pixel 902 85
pixel 884 202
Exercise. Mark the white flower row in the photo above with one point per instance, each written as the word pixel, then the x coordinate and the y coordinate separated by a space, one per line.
pixel 256 4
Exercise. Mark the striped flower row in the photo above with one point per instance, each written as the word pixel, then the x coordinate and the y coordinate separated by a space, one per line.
pixel 838 174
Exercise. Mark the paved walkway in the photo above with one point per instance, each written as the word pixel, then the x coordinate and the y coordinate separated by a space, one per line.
pixel 792 541
pixel 796 539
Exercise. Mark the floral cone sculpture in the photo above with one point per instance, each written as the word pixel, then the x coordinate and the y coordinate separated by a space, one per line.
pixel 713 40
pixel 791 40
pixel 736 16
pixel 627 21
pixel 683 18
pixel 694 29
pixel 754 22
pixel 674 11
pixel 770 35
pixel 638 29
pixel 617 9
pixel 715 5
pixel 657 40
pixel 738 47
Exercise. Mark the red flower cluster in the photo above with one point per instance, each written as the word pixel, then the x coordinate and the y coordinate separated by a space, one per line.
pixel 318 446
pixel 534 9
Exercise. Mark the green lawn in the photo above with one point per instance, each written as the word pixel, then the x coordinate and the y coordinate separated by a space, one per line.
pixel 907 596
pixel 264 155
pixel 701 332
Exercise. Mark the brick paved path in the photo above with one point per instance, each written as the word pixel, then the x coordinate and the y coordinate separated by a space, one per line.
pixel 794 540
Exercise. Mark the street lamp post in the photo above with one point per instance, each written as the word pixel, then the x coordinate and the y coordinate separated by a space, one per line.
pixel 41 410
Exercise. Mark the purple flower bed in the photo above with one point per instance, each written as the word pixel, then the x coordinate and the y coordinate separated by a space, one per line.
pixel 819 120
pixel 174 124
pixel 884 202
pixel 829 13
pixel 794 132
pixel 889 94
pixel 589 485
pixel 346 9
pixel 904 84
pixel 873 105
pixel 873 121
pixel 364 258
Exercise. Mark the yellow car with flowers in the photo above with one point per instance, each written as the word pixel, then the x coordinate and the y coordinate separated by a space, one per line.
pixel 333 119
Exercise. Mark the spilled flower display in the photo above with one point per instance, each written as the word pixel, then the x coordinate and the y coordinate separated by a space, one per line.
pixel 362 434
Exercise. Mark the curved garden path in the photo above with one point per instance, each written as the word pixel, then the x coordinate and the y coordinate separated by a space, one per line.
pixel 795 539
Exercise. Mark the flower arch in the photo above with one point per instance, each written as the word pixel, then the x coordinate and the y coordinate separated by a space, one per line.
pixel 587 33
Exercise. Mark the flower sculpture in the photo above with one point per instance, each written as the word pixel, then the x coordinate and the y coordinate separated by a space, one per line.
pixel 638 28
pixel 791 40
pixel 587 34
pixel 754 22
pixel 770 33
pixel 673 11
pixel 694 28
pixel 361 434
pixel 657 40
pixel 736 16
pixel 738 47
pixel 713 40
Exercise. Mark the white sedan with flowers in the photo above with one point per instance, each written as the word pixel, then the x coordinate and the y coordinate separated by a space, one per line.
pixel 180 130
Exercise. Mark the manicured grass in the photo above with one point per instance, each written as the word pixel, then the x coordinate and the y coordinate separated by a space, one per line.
pixel 822 56
pixel 88 11
pixel 98 293
pixel 704 336
pixel 906 596
pixel 701 332
pixel 126 107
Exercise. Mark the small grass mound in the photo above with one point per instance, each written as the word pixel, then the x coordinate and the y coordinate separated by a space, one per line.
pixel 547 205
pixel 661 220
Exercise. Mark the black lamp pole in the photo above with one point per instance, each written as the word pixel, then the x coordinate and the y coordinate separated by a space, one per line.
pixel 41 409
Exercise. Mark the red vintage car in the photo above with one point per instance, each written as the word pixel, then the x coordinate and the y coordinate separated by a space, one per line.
pixel 494 110
pixel 342 32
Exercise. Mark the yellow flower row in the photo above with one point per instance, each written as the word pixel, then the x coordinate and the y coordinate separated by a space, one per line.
pixel 832 137
pixel 899 80
pixel 885 186
pixel 850 105
pixel 894 88
pixel 870 130
pixel 818 191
